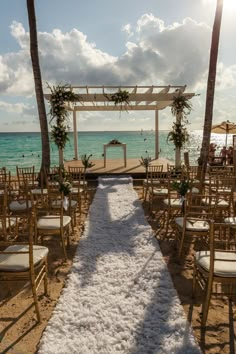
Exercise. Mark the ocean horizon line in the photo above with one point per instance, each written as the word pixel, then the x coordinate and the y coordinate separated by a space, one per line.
pixel 101 131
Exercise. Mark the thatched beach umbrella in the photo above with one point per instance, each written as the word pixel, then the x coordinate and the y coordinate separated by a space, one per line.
pixel 224 128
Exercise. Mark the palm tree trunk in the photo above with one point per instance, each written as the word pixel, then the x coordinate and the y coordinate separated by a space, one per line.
pixel 211 87
pixel 45 163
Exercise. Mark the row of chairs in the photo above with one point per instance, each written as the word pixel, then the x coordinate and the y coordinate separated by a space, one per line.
pixel 204 219
pixel 28 213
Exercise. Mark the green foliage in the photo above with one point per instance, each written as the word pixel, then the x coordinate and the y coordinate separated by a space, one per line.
pixel 59 96
pixel 145 161
pixel 181 107
pixel 114 141
pixel 182 187
pixel 178 135
pixel 65 187
pixel 85 161
pixel 59 135
pixel 119 98
pixel 122 96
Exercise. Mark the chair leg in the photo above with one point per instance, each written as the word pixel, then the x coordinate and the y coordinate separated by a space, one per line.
pixel 206 304
pixel 181 244
pixel 45 280
pixel 63 244
pixel 36 305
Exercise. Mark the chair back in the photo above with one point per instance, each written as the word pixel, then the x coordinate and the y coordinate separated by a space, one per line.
pixel 76 174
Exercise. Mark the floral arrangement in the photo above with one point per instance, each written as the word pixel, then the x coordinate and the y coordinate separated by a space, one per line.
pixel 179 135
pixel 59 96
pixel 114 141
pixel 145 161
pixel 122 96
pixel 119 98
pixel 65 187
pixel 180 108
pixel 182 187
pixel 85 161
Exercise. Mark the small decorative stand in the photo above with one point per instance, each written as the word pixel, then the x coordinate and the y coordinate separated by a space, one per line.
pixel 105 146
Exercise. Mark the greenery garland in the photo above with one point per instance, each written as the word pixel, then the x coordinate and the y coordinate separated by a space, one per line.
pixel 180 108
pixel 119 98
pixel 59 96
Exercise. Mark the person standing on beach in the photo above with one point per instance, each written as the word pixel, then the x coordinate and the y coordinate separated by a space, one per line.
pixel 230 155
pixel 211 154
pixel 223 154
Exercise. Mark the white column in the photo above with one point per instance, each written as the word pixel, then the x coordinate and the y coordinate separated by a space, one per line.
pixel 75 136
pixel 156 135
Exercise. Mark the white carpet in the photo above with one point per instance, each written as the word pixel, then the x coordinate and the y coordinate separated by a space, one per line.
pixel 119 297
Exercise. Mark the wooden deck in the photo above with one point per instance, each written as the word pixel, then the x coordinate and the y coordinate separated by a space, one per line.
pixel 116 166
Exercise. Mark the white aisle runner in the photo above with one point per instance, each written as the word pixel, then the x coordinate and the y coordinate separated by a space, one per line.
pixel 119 297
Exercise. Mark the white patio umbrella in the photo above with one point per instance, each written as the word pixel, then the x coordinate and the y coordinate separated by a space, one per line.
pixel 224 128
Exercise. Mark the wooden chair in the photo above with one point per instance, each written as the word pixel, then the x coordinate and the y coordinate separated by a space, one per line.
pixel 5 179
pixel 172 205
pixel 24 261
pixel 78 178
pixel 194 224
pixel 215 268
pixel 55 222
pixel 158 188
pixel 27 176
pixel 8 223
pixel 152 177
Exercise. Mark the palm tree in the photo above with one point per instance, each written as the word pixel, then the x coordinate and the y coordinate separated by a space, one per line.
pixel 45 163
pixel 211 86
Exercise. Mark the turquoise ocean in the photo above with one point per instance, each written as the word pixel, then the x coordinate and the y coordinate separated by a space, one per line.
pixel 24 149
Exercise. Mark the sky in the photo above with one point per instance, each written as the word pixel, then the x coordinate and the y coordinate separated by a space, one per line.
pixel 125 42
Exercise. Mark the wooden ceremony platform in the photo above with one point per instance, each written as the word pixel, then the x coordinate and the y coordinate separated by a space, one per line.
pixel 117 167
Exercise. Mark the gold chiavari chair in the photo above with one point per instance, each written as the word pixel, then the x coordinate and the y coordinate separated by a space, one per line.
pixel 152 177
pixel 193 226
pixel 215 267
pixel 24 261
pixel 55 222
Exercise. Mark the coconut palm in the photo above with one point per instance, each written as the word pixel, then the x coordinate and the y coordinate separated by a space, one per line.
pixel 211 86
pixel 45 163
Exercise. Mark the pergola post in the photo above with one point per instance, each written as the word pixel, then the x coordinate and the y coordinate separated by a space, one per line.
pixel 156 135
pixel 75 136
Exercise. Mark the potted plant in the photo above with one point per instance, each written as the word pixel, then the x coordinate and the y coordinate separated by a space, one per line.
pixel 85 161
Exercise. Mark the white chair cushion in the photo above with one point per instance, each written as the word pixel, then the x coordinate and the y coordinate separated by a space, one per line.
pixel 75 190
pixel 224 266
pixel 195 190
pixel 20 262
pixel 39 191
pixel 221 203
pixel 57 204
pixel 82 183
pixel 160 191
pixel 10 222
pixel 52 222
pixel 193 224
pixel 231 220
pixel 17 205
pixel 176 203
pixel 149 182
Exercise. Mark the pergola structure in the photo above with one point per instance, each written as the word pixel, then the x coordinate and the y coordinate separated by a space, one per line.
pixel 141 98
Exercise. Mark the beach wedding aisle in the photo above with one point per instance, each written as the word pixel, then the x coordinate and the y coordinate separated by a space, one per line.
pixel 119 297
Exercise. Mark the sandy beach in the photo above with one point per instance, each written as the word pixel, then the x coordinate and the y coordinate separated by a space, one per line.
pixel 20 333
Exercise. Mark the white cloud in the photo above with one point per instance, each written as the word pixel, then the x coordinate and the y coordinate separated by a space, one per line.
pixel 157 55
pixel 128 30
